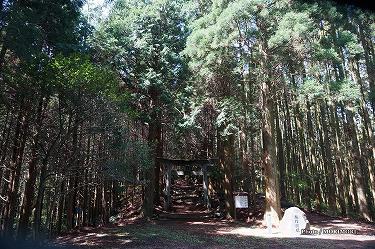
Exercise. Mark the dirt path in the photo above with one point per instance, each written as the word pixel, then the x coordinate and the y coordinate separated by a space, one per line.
pixel 210 233
pixel 189 226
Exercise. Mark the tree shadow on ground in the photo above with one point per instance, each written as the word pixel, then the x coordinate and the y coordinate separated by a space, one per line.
pixel 200 234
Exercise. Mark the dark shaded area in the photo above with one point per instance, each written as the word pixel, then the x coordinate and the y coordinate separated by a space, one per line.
pixel 363 4
pixel 12 244
pixel 187 162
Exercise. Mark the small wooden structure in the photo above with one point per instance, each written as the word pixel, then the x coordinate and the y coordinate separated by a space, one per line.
pixel 168 165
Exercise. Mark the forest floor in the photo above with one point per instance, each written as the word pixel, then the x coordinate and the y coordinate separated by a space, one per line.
pixel 189 226
pixel 211 234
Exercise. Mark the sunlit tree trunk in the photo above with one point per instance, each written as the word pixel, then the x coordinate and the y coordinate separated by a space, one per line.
pixel 280 155
pixel 327 159
pixel 368 133
pixel 305 169
pixel 357 166
pixel 338 155
pixel 314 164
pixel 271 172
pixel 226 157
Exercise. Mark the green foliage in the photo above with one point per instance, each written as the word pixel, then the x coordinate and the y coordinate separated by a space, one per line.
pixel 142 41
pixel 298 180
pixel 229 114
pixel 343 91
pixel 348 92
pixel 211 37
pixel 372 29
pixel 320 206
pixel 132 156
pixel 189 119
pixel 292 29
pixel 40 28
pixel 32 35
pixel 350 41
pixel 211 48
pixel 325 54
pixel 311 90
pixel 78 72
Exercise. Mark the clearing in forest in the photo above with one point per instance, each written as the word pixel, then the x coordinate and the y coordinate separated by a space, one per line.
pixel 188 225
pixel 214 233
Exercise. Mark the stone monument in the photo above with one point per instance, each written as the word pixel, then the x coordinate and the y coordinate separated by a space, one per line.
pixel 293 221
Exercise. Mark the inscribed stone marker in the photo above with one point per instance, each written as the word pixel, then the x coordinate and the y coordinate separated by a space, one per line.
pixel 293 221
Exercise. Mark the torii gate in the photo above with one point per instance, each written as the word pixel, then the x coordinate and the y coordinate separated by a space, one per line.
pixel 169 163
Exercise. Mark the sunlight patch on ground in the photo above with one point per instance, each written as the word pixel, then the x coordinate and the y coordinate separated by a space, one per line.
pixel 208 223
pixel 101 235
pixel 125 241
pixel 341 226
pixel 263 233
pixel 121 234
pixel 201 223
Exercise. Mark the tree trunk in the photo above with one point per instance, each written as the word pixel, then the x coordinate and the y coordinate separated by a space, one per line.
pixel 330 174
pixel 305 170
pixel 271 173
pixel 16 164
pixel 39 199
pixel 273 206
pixel 357 163
pixel 368 133
pixel 226 156
pixel 33 172
pixel 280 156
pixel 152 175
pixel 60 209
pixel 312 159
pixel 149 176
pixel 369 66
pixel 338 158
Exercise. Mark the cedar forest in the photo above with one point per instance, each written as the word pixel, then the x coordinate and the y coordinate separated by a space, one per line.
pixel 280 92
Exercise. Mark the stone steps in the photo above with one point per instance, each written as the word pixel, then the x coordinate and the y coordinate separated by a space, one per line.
pixel 186 216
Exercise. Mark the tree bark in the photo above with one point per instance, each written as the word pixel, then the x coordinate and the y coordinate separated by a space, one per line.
pixel 327 159
pixel 337 149
pixel 16 164
pixel 226 155
pixel 33 172
pixel 271 173
pixel 358 165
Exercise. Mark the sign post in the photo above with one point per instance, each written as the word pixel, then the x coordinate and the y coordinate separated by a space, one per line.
pixel 269 223
pixel 241 200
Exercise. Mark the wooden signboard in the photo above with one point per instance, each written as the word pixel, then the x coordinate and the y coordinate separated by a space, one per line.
pixel 241 201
